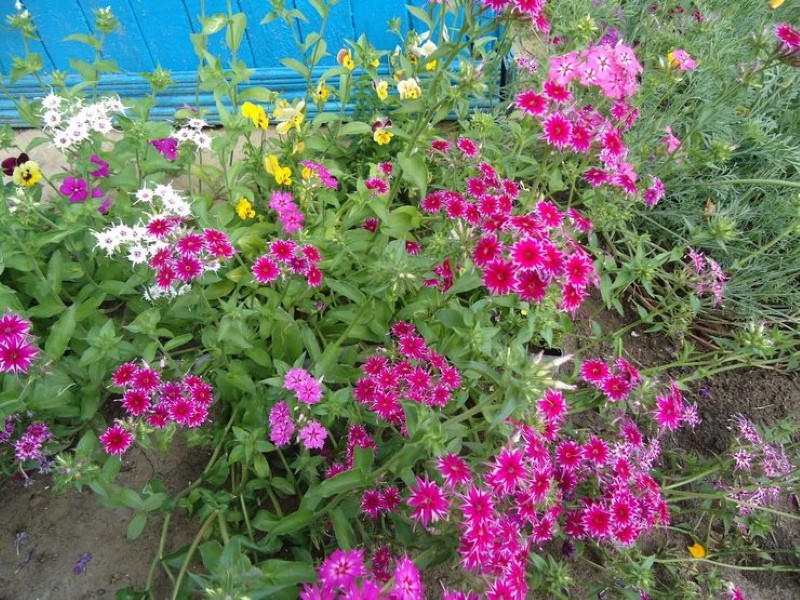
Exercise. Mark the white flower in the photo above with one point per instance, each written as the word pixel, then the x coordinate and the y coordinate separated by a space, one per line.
pixel 18 6
pixel 409 89
pixel 202 141
pixel 103 126
pixel 177 206
pixel 144 195
pixel 161 190
pixel 113 105
pixel 183 135
pixel 51 118
pixel 61 140
pixel 51 101
pixel 77 132
pixel 123 233
pixel 107 240
pixel 138 254
pixel 196 124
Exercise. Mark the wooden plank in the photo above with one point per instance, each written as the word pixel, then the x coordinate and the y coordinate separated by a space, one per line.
pixel 165 29
pixel 269 43
pixel 372 20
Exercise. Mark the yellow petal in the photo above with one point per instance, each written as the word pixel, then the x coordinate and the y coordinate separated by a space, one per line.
pixel 696 550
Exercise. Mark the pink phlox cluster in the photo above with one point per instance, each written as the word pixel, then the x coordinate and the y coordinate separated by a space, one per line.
pixel 616 380
pixel 192 132
pixel 148 397
pixel 285 258
pixel 357 437
pixel 538 486
pixel 289 213
pixel 527 254
pixel 533 10
pixel 757 460
pixel 570 127
pixel 345 574
pixel 708 277
pixel 29 445
pixel 417 373
pixel 321 171
pixel 378 185
pixel 177 253
pixel 376 501
pixel 307 389
pixel 281 424
pixel 18 347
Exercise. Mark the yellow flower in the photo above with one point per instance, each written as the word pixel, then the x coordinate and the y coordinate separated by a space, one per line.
pixel 376 63
pixel 27 174
pixel 307 173
pixel 382 136
pixel 289 116
pixel 345 58
pixel 697 550
pixel 431 65
pixel 773 4
pixel 381 88
pixel 322 92
pixel 256 114
pixel 244 209
pixel 409 89
pixel 282 175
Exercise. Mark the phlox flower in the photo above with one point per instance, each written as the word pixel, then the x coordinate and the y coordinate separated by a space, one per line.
pixel 681 60
pixel 669 411
pixel 76 189
pixel 498 277
pixel 167 147
pixel 281 424
pixel 102 167
pixel 552 406
pixel 17 355
pixel 341 569
pixel 313 435
pixel 597 520
pixel 594 371
pixel 407 582
pixel 557 130
pixel 116 439
pixel 788 36
pixel 377 186
pixel 265 270
pixel 469 149
pixel 371 503
pixel 615 387
pixel 13 327
pixel 428 502
pixel 532 102
pixel 454 470
pixel 507 472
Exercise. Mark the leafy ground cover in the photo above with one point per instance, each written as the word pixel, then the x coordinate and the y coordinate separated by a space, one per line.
pixel 380 327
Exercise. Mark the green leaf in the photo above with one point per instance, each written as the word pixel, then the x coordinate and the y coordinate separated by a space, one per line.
pixel 292 523
pixel 214 23
pixel 414 171
pixel 354 128
pixel 342 529
pixel 176 342
pixel 61 333
pixel 295 65
pixel 421 15
pixel 343 482
pixel 136 526
pixel 83 38
pixel 236 27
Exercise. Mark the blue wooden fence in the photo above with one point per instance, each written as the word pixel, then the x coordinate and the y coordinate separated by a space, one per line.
pixel 156 32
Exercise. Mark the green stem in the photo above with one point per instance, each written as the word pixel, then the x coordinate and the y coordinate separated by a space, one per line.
pixel 247 519
pixel 190 553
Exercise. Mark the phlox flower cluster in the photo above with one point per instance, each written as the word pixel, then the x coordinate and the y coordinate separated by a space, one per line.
pixel 177 254
pixel 192 133
pixel 709 278
pixel 28 446
pixel 307 390
pixel 538 486
pixel 148 397
pixel 532 9
pixel 17 346
pixel 613 69
pixel 357 437
pixel 756 460
pixel 417 373
pixel 379 184
pixel 282 426
pixel 527 254
pixel 345 574
pixel 285 257
pixel 69 122
pixel 376 501
pixel 288 212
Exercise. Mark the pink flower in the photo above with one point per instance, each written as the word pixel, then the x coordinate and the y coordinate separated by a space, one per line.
pixel 532 103
pixel 12 326
pixel 371 503
pixel 340 569
pixel 167 147
pixel 507 472
pixel 682 60
pixel 407 582
pixel 597 520
pixel 615 387
pixel 552 405
pixel 557 130
pixel 498 277
pixel 671 142
pixel 454 470
pixel 313 436
pixel 468 148
pixel 371 224
pixel 594 371
pixel 102 166
pixel 281 424
pixel 378 186
pixel 265 270
pixel 789 36
pixel 428 502
pixel 76 190
pixel 116 439
pixel 669 411
pixel 16 355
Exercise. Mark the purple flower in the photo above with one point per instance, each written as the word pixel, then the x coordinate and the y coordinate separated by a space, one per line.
pixel 168 147
pixel 74 188
pixel 81 563
pixel 102 170
pixel 104 206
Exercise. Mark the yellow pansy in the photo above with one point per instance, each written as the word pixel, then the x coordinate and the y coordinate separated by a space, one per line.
pixel 322 93
pixel 696 550
pixel 345 58
pixel 409 89
pixel 381 88
pixel 307 173
pixel 27 174
pixel 282 175
pixel 289 116
pixel 244 209
pixel 773 4
pixel 256 114
pixel 382 136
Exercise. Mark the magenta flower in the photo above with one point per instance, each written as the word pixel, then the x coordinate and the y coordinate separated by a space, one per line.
pixel 428 502
pixel 788 35
pixel 116 439
pixel 682 60
pixel 313 435
pixel 341 569
pixel 281 424
pixel 74 188
pixel 265 270
pixel 12 326
pixel 167 147
pixel 407 582
pixel 17 355
pixel 102 166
